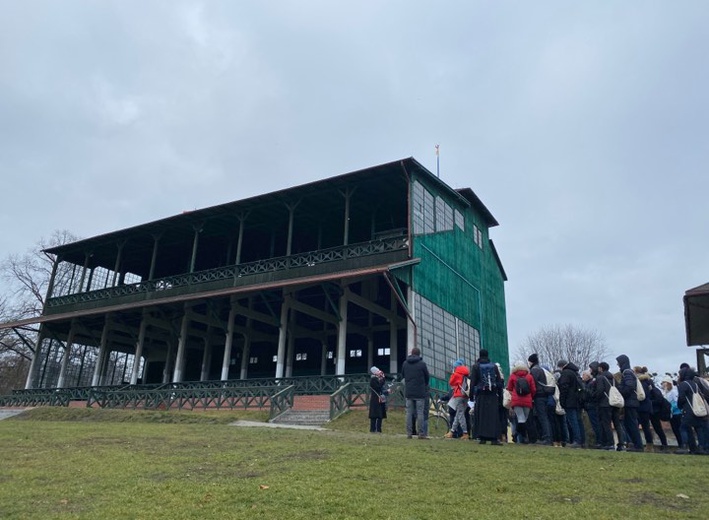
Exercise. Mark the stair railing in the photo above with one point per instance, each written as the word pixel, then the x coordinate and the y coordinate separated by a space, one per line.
pixel 281 402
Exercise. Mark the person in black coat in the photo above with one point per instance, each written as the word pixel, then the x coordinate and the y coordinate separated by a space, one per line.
pixel 626 386
pixel 607 414
pixel 686 389
pixel 487 384
pixel 377 400
pixel 415 374
pixel 570 396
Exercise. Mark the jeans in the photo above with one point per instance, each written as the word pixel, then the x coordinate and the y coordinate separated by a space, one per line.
pixel 698 424
pixel 592 411
pixel 572 419
pixel 459 421
pixel 630 422
pixel 542 417
pixel 606 416
pixel 416 407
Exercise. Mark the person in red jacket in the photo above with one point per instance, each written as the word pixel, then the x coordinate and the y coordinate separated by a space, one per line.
pixel 522 387
pixel 459 399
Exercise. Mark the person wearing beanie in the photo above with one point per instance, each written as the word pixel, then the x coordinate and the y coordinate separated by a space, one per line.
pixel 377 400
pixel 459 400
pixel 539 428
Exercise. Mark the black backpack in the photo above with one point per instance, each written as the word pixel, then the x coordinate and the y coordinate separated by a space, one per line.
pixel 488 377
pixel 522 386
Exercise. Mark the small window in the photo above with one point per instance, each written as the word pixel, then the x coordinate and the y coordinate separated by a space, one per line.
pixel 330 354
pixel 356 353
pixel 459 220
pixel 254 360
pixel 383 351
pixel 301 356
pixel 478 236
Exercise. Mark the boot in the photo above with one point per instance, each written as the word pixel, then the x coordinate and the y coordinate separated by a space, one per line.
pixel 649 448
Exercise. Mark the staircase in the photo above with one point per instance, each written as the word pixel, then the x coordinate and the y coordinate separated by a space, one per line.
pixel 308 410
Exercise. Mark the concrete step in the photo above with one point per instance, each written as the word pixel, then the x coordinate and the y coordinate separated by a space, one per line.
pixel 303 417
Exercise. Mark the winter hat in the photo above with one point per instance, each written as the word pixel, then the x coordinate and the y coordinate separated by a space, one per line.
pixel 483 353
pixel 458 363
pixel 374 371
pixel 562 363
pixel 534 359
pixel 667 379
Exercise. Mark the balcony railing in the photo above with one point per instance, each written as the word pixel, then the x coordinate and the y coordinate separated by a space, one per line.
pixel 234 272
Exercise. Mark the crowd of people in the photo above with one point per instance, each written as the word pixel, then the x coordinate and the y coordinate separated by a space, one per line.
pixel 620 409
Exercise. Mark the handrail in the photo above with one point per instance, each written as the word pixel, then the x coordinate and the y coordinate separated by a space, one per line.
pixel 281 402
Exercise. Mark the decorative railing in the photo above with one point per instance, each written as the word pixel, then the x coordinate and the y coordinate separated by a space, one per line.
pixel 184 398
pixel 281 402
pixel 233 272
pixel 351 394
pixel 234 393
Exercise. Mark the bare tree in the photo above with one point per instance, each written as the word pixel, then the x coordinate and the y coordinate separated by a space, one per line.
pixel 575 344
pixel 25 282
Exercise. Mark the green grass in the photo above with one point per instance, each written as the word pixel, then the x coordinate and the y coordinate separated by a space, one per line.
pixel 103 464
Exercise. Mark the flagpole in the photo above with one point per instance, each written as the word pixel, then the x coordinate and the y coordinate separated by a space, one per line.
pixel 438 164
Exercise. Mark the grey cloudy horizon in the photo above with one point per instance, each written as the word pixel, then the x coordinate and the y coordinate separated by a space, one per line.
pixel 581 126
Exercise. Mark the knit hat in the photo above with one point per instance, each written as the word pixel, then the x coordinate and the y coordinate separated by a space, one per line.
pixel 458 363
pixel 534 359
pixel 562 363
pixel 667 379
pixel 374 371
pixel 483 353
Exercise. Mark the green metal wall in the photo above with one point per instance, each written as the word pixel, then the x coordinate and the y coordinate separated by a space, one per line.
pixel 462 278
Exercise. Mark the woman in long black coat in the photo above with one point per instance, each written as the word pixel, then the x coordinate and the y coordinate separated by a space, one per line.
pixel 486 380
pixel 377 400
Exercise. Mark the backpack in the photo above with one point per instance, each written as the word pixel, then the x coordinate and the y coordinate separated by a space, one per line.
pixel 615 398
pixel 465 386
pixel 522 386
pixel 697 404
pixel 488 377
pixel 702 386
pixel 665 411
pixel 547 385
pixel 660 406
pixel 639 391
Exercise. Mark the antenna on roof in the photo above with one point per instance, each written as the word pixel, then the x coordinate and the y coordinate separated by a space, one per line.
pixel 438 163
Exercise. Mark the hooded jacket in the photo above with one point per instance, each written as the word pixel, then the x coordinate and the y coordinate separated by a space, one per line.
pixel 686 388
pixel 456 380
pixel 570 387
pixel 627 382
pixel 415 374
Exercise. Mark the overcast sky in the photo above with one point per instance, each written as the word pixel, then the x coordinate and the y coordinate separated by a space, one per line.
pixel 581 125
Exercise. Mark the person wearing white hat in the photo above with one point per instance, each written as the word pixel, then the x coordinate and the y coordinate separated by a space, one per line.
pixel 669 392
pixel 377 400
